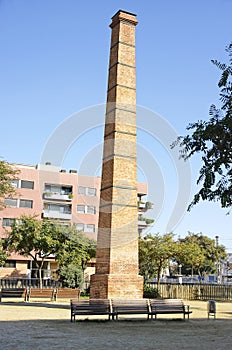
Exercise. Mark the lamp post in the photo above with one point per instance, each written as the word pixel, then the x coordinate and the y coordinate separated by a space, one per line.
pixel 217 262
pixel 180 276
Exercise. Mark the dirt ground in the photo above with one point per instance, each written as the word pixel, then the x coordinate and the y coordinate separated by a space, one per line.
pixel 46 325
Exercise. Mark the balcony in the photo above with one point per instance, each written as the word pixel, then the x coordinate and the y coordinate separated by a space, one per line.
pixel 52 214
pixel 58 192
pixel 57 196
pixel 142 224
pixel 142 206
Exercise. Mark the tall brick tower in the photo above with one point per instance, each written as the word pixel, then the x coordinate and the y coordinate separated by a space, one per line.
pixel 117 244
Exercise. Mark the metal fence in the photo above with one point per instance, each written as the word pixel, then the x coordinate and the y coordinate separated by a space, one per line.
pixel 188 291
pixel 194 291
pixel 27 282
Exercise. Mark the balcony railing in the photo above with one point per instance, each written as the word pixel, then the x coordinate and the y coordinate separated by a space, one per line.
pixel 142 206
pixel 52 214
pixel 142 223
pixel 57 196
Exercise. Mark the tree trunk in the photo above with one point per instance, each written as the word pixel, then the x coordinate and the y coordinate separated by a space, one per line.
pixel 40 274
pixel 40 278
pixel 158 276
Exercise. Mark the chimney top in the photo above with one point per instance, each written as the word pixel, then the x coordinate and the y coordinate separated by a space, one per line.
pixel 122 15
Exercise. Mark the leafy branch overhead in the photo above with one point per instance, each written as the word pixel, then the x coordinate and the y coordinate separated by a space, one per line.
pixel 213 140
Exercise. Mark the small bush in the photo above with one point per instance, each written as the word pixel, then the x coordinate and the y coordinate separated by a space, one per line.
pixel 71 276
pixel 150 293
pixel 86 292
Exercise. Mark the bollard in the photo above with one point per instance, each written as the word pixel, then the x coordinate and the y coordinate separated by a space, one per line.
pixel 211 308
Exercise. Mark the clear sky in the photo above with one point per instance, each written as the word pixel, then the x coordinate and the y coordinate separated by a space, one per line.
pixel 54 65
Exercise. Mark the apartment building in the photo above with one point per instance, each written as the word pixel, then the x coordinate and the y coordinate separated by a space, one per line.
pixel 53 193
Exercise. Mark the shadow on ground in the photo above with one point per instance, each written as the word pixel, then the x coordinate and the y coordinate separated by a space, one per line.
pixel 122 334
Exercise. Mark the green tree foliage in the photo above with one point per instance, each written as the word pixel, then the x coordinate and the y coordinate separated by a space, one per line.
pixel 199 254
pixel 196 253
pixel 190 256
pixel 41 239
pixel 71 275
pixel 33 238
pixel 3 255
pixel 213 140
pixel 155 251
pixel 7 175
pixel 73 255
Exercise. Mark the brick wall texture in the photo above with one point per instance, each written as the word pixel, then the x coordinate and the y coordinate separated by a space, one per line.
pixel 117 245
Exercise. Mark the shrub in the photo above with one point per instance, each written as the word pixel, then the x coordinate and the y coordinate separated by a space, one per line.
pixel 150 292
pixel 71 276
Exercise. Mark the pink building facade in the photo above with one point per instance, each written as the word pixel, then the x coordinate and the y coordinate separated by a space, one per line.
pixel 50 192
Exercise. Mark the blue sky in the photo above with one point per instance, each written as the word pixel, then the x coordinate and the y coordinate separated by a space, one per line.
pixel 54 64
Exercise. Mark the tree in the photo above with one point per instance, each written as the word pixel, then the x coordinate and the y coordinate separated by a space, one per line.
pixel 7 175
pixel 155 251
pixel 41 239
pixel 32 237
pixel 213 140
pixel 199 253
pixel 71 275
pixel 190 256
pixel 73 255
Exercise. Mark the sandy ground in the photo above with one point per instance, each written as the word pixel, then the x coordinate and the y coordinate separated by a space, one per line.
pixel 46 325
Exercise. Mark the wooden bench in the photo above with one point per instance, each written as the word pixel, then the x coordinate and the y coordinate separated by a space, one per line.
pixel 90 307
pixel 130 307
pixel 46 293
pixel 168 306
pixel 66 293
pixel 13 293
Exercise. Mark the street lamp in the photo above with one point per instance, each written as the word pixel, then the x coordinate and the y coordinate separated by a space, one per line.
pixel 217 262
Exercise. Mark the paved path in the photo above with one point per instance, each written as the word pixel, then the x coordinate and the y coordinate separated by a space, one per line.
pixel 47 326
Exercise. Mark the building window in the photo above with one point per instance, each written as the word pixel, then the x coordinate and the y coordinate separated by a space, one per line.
pixel 25 203
pixel 27 184
pixel 80 227
pixel 10 202
pixel 91 191
pixel 15 183
pixel 91 209
pixel 81 190
pixel 47 188
pixel 8 221
pixel 10 263
pixel 81 209
pixel 90 228
pixel 87 191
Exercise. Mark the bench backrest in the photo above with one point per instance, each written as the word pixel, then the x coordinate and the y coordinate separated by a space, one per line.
pixel 13 292
pixel 67 293
pixel 130 305
pixel 167 304
pixel 40 293
pixel 95 305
